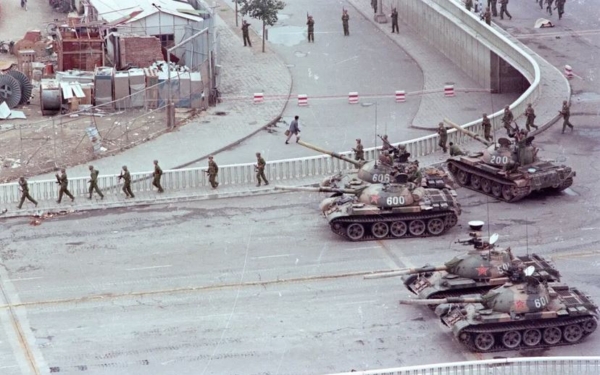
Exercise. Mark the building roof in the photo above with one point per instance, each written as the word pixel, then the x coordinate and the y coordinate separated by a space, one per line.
pixel 126 11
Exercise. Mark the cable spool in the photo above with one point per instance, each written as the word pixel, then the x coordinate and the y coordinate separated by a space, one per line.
pixel 50 100
pixel 25 83
pixel 10 90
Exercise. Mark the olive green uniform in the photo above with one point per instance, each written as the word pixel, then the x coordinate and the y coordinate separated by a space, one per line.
pixel 311 30
pixel 530 115
pixel 456 151
pixel 94 183
pixel 213 170
pixel 345 19
pixel 487 16
pixel 260 171
pixel 469 4
pixel 443 133
pixel 566 113
pixel 415 177
pixel 395 21
pixel 359 152
pixel 127 184
pixel 25 193
pixel 63 181
pixel 560 5
pixel 507 119
pixel 487 129
pixel 374 5
pixel 503 10
pixel 493 8
pixel 156 178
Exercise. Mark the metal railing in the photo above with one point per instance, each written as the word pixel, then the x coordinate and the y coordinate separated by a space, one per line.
pixel 508 366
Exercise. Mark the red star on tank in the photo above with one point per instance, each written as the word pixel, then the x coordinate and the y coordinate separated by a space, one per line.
pixel 374 198
pixel 482 271
pixel 520 305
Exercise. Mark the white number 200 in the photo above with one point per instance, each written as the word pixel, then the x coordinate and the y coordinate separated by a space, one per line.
pixel 497 159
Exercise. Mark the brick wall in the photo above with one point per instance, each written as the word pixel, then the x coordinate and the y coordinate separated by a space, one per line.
pixel 140 51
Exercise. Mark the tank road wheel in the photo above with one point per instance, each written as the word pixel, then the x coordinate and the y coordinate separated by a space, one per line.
pixel 380 229
pixel 590 325
pixel 451 220
pixel 398 228
pixel 436 226
pixel 507 192
pixel 496 189
pixel 484 341
pixel 476 182
pixel 552 335
pixel 463 177
pixel 355 231
pixel 486 185
pixel 417 227
pixel 511 339
pixel 532 337
pixel 572 333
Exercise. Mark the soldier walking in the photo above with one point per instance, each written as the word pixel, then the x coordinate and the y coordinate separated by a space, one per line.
pixel 213 170
pixel 487 16
pixel 560 5
pixel 359 151
pixel 311 29
pixel 394 17
pixel 493 8
pixel 530 114
pixel 503 10
pixel 469 5
pixel 94 182
pixel 345 19
pixel 260 169
pixel 156 177
pixel 293 130
pixel 126 176
pixel 549 6
pixel 245 33
pixel 487 127
pixel 25 192
pixel 566 113
pixel 374 5
pixel 443 133
pixel 507 119
pixel 63 181
pixel 541 2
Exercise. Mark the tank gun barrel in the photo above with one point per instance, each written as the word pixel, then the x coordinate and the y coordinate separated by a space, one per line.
pixel 468 133
pixel 439 301
pixel 316 190
pixel 407 271
pixel 356 163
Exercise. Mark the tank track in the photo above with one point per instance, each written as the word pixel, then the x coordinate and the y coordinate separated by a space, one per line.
pixel 370 219
pixel 518 193
pixel 497 328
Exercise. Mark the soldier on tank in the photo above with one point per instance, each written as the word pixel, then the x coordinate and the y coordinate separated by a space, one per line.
pixel 455 150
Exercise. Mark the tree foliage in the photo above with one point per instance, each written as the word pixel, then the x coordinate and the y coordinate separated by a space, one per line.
pixel 264 10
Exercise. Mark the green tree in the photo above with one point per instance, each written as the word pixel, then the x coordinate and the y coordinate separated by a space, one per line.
pixel 264 10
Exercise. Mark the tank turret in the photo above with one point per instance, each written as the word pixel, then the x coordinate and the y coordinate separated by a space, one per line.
pixel 478 271
pixel 506 170
pixel 524 313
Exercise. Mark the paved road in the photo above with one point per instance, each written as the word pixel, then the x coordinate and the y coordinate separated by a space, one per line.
pixel 161 289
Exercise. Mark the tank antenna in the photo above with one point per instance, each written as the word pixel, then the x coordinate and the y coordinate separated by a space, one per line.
pixel 527 236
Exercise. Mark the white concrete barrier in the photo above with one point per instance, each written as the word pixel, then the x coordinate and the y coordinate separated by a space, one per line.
pixel 508 366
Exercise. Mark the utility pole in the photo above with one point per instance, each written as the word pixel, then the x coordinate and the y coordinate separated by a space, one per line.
pixel 380 17
pixel 236 13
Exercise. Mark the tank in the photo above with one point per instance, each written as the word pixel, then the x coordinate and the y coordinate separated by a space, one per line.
pixel 523 313
pixel 508 171
pixel 378 211
pixel 483 268
pixel 367 172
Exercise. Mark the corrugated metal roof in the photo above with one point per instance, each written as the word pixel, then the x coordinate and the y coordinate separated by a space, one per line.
pixel 125 11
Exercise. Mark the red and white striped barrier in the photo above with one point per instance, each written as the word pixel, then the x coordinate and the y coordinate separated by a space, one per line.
pixel 353 98
pixel 258 97
pixel 568 71
pixel 400 96
pixel 449 90
pixel 302 100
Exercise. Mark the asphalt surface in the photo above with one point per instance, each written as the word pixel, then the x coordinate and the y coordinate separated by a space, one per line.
pixel 260 285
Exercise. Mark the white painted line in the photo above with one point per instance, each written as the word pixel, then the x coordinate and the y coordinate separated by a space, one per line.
pixel 355 303
pixel 273 256
pixel 343 61
pixel 13 366
pixel 147 268
pixel 24 279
